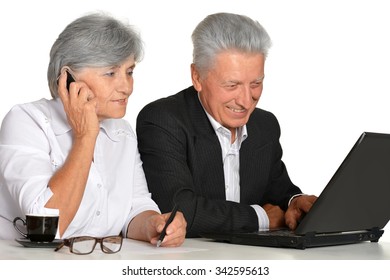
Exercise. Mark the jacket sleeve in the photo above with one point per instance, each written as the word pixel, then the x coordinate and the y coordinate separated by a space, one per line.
pixel 263 172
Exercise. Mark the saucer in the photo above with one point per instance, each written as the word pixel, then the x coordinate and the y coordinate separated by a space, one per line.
pixel 33 244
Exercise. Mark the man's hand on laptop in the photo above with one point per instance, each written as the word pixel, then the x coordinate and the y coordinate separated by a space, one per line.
pixel 298 207
pixel 275 215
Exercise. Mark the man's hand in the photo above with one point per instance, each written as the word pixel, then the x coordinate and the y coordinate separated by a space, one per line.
pixel 275 216
pixel 299 206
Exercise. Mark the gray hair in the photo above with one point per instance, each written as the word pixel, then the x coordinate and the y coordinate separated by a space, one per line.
pixel 94 40
pixel 225 31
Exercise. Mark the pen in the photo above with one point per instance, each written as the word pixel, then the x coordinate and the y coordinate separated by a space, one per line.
pixel 170 219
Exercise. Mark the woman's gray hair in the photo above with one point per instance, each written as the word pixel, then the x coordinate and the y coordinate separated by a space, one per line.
pixel 226 31
pixel 94 40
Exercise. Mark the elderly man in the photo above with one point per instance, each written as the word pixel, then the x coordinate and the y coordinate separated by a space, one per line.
pixel 209 148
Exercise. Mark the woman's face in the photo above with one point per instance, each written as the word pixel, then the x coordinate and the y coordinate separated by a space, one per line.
pixel 112 87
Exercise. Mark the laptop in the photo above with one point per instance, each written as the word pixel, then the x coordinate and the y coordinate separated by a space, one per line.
pixel 353 207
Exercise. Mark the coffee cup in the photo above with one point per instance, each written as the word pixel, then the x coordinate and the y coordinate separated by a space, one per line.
pixel 40 228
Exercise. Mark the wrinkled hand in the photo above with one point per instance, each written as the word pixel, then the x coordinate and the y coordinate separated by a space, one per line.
pixel 80 106
pixel 299 206
pixel 275 216
pixel 175 233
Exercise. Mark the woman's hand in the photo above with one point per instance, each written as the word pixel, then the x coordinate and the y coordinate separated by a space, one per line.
pixel 148 225
pixel 175 232
pixel 80 106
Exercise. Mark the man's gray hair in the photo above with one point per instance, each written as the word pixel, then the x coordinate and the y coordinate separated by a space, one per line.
pixel 225 31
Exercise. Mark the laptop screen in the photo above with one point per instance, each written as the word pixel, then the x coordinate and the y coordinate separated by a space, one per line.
pixel 357 196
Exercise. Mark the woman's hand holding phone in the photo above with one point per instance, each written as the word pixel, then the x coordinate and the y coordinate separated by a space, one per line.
pixel 80 106
pixel 69 79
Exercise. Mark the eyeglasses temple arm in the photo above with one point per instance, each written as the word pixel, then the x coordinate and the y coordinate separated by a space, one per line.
pixel 59 246
pixel 107 249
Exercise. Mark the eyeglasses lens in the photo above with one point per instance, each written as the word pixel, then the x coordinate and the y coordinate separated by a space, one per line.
pixel 83 245
pixel 111 244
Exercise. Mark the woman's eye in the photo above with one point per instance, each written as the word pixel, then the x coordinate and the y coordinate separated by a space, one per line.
pixel 110 74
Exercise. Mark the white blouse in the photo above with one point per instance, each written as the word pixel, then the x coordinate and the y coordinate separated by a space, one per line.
pixel 35 139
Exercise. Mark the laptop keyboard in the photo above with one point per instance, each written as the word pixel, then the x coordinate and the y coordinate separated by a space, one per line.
pixel 277 232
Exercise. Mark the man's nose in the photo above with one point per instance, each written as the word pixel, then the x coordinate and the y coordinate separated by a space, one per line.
pixel 244 97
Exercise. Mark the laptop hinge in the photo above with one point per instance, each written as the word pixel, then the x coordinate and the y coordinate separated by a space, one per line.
pixel 376 233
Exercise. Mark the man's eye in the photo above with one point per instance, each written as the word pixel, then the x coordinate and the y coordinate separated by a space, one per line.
pixel 231 86
pixel 256 85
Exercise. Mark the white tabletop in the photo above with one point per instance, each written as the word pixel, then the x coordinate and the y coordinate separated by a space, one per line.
pixel 203 249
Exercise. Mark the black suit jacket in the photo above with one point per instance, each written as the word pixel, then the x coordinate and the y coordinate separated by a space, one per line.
pixel 181 152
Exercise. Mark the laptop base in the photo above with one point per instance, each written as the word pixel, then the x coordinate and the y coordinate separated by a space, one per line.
pixel 287 239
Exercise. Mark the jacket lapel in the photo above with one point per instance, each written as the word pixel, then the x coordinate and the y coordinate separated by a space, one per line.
pixel 255 158
pixel 207 151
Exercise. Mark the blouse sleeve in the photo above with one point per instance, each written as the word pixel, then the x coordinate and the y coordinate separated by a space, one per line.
pixel 26 164
pixel 142 198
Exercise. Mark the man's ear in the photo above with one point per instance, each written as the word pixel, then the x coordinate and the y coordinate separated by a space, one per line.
pixel 196 80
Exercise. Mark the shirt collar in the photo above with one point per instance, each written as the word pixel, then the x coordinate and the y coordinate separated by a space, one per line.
pixel 242 132
pixel 113 128
pixel 116 129
pixel 58 120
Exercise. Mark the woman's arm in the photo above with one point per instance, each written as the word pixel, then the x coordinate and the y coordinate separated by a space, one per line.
pixel 68 183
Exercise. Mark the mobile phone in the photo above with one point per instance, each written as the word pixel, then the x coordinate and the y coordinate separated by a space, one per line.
pixel 69 79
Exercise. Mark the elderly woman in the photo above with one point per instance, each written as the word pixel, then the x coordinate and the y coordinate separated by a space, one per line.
pixel 74 155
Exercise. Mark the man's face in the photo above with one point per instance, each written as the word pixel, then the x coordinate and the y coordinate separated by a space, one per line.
pixel 232 87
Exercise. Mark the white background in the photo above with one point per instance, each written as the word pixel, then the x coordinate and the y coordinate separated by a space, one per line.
pixel 327 74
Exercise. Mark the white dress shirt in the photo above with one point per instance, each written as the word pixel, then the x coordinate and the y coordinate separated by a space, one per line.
pixel 231 166
pixel 35 139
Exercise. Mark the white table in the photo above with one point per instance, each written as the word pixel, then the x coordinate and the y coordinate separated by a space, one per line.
pixel 208 259
pixel 202 249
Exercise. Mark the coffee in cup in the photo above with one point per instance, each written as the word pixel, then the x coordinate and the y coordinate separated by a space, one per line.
pixel 40 228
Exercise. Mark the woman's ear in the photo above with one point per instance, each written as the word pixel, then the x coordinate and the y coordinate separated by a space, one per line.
pixel 63 70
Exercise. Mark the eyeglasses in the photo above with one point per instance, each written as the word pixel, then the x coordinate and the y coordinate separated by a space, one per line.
pixel 84 245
